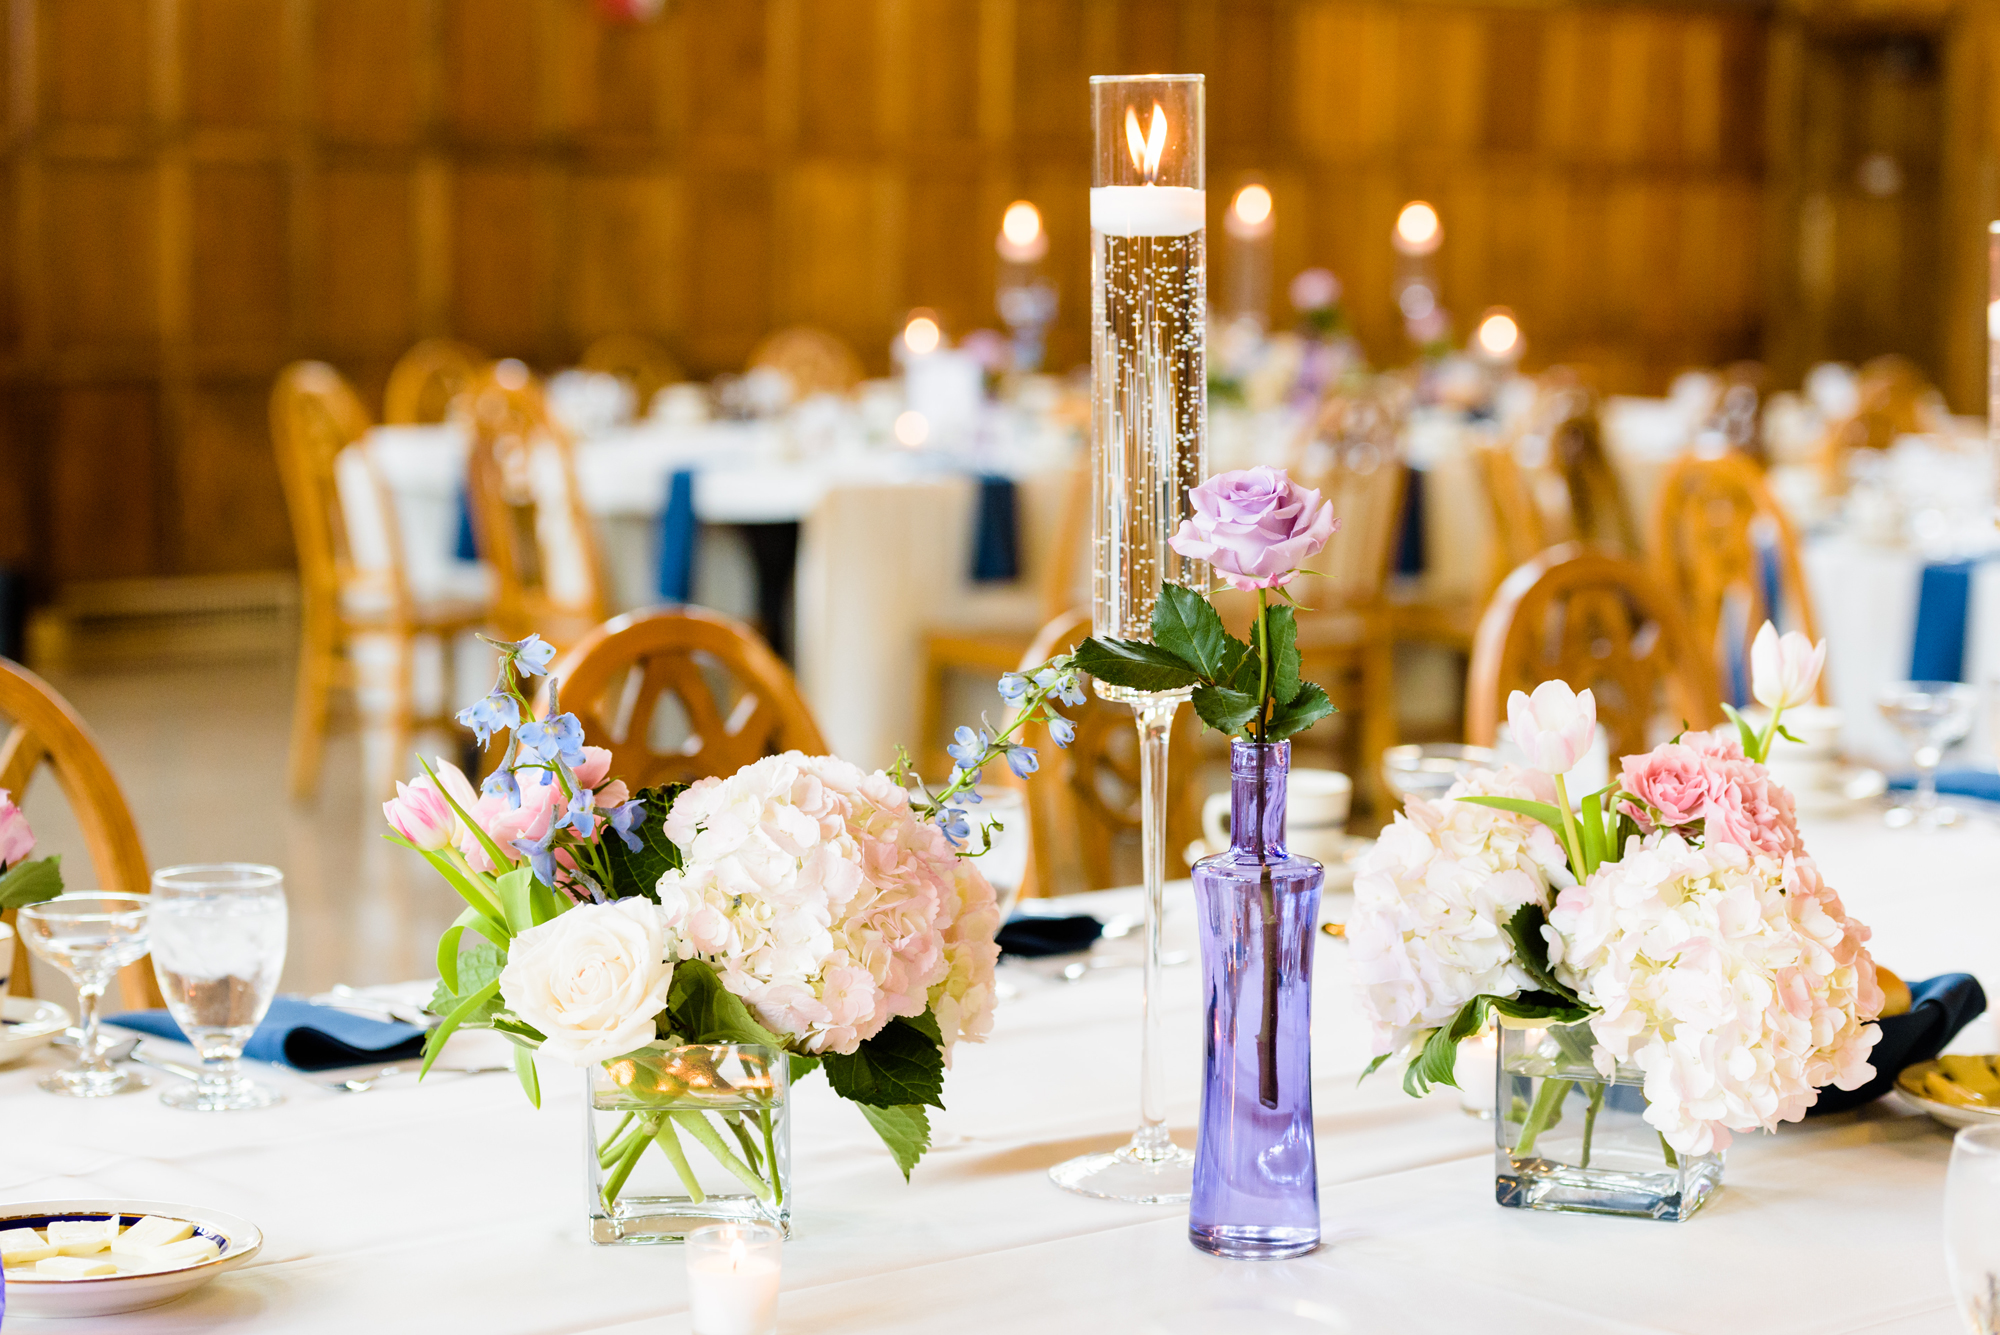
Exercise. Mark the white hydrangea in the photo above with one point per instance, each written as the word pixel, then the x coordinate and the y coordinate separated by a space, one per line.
pixel 827 906
pixel 1432 899
pixel 1733 979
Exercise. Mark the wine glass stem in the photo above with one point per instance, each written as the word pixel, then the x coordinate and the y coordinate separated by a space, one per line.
pixel 1156 721
pixel 1927 758
pixel 219 1074
pixel 88 996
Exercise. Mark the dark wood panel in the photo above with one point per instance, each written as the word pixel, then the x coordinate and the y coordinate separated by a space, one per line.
pixel 941 56
pixel 231 513
pixel 839 75
pixel 494 258
pixel 492 69
pixel 96 59
pixel 101 237
pixel 235 61
pixel 241 234
pixel 102 463
pixel 730 286
pixel 366 261
pixel 366 58
pixel 627 252
pixel 725 50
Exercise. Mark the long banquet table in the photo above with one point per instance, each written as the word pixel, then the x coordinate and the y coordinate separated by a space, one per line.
pixel 455 1206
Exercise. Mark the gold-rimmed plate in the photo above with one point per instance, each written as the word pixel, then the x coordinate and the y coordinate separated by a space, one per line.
pixel 33 1295
pixel 1910 1085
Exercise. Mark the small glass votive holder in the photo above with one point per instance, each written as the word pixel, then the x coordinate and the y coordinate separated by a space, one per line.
pixel 733 1272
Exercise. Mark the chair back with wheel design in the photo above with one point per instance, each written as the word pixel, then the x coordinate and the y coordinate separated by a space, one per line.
pixel 731 700
pixel 1083 803
pixel 644 366
pixel 1598 514
pixel 47 731
pixel 528 511
pixel 1351 457
pixel 1598 622
pixel 1520 530
pixel 817 362
pixel 428 379
pixel 1726 551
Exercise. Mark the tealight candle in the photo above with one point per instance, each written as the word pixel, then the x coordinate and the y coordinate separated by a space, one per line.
pixel 1476 1070
pixel 732 1272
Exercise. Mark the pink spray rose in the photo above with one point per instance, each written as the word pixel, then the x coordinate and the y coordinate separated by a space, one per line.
pixel 1706 777
pixel 16 839
pixel 1255 526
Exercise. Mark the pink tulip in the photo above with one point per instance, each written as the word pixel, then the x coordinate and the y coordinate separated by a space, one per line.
pixel 596 765
pixel 1784 669
pixel 16 839
pixel 1553 727
pixel 421 815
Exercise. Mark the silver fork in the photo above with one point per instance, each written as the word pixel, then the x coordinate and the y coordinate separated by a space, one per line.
pixel 362 1084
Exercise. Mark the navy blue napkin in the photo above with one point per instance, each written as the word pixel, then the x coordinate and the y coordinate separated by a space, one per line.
pixel 467 546
pixel 996 541
pixel 677 533
pixel 1939 1008
pixel 1983 784
pixel 299 1034
pixel 1937 648
pixel 1032 938
pixel 1410 533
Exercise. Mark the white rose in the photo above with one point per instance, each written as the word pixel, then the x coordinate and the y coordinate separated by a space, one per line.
pixel 593 980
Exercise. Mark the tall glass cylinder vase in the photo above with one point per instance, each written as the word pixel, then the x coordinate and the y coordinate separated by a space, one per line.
pixel 1148 446
pixel 1256 1179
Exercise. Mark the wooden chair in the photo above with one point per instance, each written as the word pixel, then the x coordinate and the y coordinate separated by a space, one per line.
pixel 1595 621
pixel 1598 514
pixel 48 731
pixel 427 379
pixel 1083 803
pixel 816 361
pixel 317 426
pixel 735 699
pixel 528 513
pixel 995 649
pixel 1894 400
pixel 1721 542
pixel 644 366
pixel 1520 530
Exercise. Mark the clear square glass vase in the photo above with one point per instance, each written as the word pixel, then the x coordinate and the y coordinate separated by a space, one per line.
pixel 679 1136
pixel 1568 1139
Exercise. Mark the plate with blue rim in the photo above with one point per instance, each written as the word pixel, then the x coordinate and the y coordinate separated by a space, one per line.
pixel 27 1024
pixel 33 1295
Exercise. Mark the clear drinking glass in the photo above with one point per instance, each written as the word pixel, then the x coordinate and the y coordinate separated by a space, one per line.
pixel 1429 769
pixel 1003 814
pixel 90 937
pixel 1972 1226
pixel 1935 716
pixel 218 947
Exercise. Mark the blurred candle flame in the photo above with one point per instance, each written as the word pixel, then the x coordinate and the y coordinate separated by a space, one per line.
pixel 1499 333
pixel 1252 204
pixel 1147 148
pixel 1418 231
pixel 1021 224
pixel 921 335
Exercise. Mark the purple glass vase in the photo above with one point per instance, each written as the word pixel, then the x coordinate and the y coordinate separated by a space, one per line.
pixel 1256 1180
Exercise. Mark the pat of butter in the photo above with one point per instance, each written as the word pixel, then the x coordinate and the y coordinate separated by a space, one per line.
pixel 74 1267
pixel 82 1237
pixel 152 1231
pixel 22 1246
pixel 188 1251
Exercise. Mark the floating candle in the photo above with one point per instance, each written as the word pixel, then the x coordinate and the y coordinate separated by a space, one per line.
pixel 1147 210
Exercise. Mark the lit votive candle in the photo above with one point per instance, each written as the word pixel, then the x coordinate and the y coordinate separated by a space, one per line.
pixel 732 1272
pixel 1477 1071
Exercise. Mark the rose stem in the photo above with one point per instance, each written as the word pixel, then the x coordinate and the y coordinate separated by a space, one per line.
pixel 670 1145
pixel 1267 1037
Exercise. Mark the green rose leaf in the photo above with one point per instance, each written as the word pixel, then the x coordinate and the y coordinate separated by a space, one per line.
pixel 630 873
pixel 33 882
pixel 478 968
pixel 1186 626
pixel 1307 706
pixel 1225 710
pixel 1437 1061
pixel 905 1129
pixel 702 1010
pixel 902 1064
pixel 1133 665
pixel 1283 629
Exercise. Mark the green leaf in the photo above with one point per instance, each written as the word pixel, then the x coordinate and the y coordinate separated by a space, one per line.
pixel 447 955
pixel 1186 626
pixel 1531 951
pixel 1591 830
pixel 1374 1066
pixel 493 852
pixel 1133 665
pixel 1225 710
pixel 524 1070
pixel 473 890
pixel 1744 732
pixel 468 1006
pixel 638 873
pixel 905 1129
pixel 512 890
pixel 474 969
pixel 902 1064
pixel 1283 629
pixel 1548 813
pixel 33 882
pixel 1308 706
pixel 927 1025
pixel 799 1066
pixel 1437 1062
pixel 702 1010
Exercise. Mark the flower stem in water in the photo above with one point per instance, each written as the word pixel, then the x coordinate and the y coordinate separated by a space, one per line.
pixel 1544 1114
pixel 670 1145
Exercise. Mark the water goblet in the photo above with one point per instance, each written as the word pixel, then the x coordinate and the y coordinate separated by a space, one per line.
pixel 218 947
pixel 1935 716
pixel 90 937
pixel 1429 769
pixel 1972 1226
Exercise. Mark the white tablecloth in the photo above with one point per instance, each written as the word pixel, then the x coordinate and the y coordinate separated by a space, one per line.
pixel 457 1207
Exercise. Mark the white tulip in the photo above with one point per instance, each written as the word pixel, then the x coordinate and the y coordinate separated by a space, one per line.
pixel 1784 669
pixel 1553 727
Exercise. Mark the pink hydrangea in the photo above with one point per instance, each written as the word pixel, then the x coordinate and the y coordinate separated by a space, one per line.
pixel 827 906
pixel 1706 778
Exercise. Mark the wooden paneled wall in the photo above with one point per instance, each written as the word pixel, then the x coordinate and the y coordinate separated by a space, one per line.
pixel 199 190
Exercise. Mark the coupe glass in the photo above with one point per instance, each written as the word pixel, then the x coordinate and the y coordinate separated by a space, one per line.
pixel 218 947
pixel 1003 814
pixel 1972 1226
pixel 1935 716
pixel 90 937
pixel 1429 769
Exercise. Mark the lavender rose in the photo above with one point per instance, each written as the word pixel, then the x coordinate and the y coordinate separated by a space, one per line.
pixel 1255 526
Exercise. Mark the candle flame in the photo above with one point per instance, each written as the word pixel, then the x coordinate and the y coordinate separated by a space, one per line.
pixel 1147 148
pixel 736 1253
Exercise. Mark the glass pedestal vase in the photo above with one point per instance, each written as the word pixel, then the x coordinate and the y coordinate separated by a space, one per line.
pixel 1256 1178
pixel 1568 1139
pixel 677 1137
